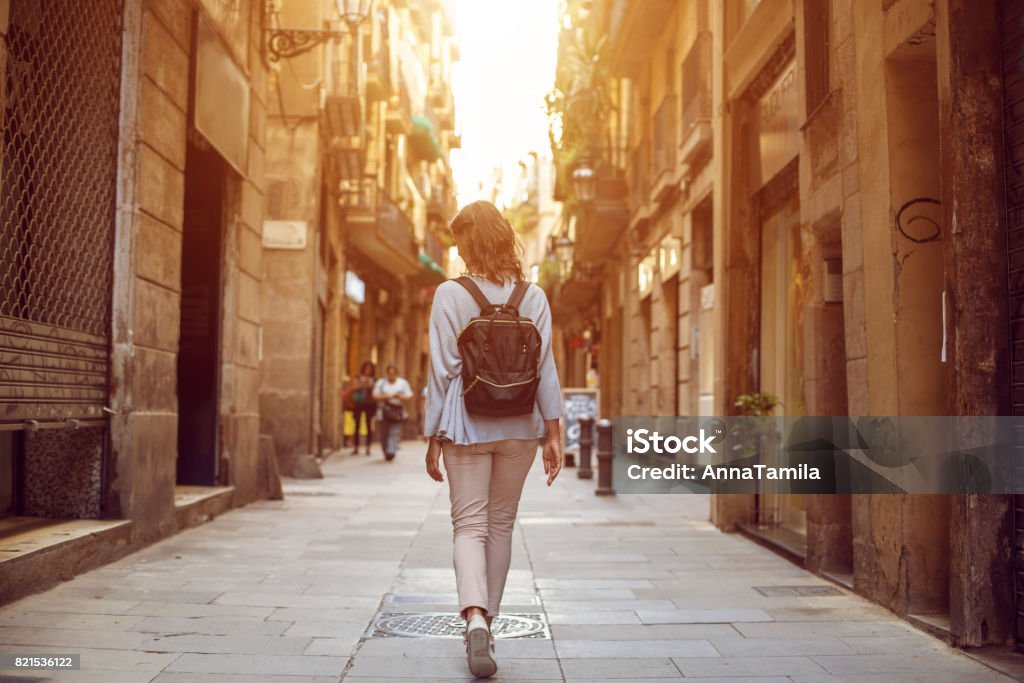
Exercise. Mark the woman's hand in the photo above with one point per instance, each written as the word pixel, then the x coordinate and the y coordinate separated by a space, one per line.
pixel 434 459
pixel 553 457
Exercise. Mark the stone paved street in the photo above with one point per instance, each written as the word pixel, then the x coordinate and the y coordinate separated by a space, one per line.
pixel 633 588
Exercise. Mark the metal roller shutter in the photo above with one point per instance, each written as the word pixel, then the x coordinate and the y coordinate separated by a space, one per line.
pixel 58 171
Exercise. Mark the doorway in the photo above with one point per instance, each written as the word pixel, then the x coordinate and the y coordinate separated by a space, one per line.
pixel 199 346
pixel 779 355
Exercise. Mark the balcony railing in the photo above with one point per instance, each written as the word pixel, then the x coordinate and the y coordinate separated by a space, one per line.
pixel 638 178
pixel 399 116
pixel 663 153
pixel 433 248
pixel 378 77
pixel 393 226
pixel 696 86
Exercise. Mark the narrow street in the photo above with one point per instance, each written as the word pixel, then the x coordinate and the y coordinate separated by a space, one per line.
pixel 627 587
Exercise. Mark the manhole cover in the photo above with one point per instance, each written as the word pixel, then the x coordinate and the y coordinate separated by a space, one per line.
pixel 801 591
pixel 448 625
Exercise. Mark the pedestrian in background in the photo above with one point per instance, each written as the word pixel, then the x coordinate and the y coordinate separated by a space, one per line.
pixel 363 405
pixel 391 392
pixel 488 452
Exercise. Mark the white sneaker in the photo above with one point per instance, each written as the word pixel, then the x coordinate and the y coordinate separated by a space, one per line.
pixel 479 646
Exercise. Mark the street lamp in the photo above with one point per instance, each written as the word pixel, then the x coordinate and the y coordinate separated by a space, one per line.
pixel 584 181
pixel 353 12
pixel 564 249
pixel 291 42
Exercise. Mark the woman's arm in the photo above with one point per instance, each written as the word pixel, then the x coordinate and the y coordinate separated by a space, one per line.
pixel 549 390
pixel 445 363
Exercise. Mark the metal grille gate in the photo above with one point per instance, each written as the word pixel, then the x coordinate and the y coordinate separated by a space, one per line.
pixel 58 166
pixel 1012 31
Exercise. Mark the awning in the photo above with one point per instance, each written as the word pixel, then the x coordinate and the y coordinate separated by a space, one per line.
pixel 423 140
pixel 430 272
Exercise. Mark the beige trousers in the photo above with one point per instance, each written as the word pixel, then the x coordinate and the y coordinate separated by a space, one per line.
pixel 485 481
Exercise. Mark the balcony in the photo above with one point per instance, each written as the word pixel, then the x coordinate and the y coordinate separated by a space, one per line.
pixel 381 232
pixel 639 187
pixel 433 248
pixel 399 117
pixel 663 150
pixel 378 77
pixel 604 219
pixel 440 206
pixel 632 32
pixel 695 138
pixel 346 157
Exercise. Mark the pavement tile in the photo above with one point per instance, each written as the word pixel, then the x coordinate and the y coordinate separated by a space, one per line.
pixel 573 649
pixel 557 605
pixel 292 600
pixel 452 668
pixel 627 632
pixel 782 647
pixel 702 616
pixel 213 626
pixel 593 617
pixel 171 609
pixel 51 603
pixel 226 644
pixel 805 629
pixel 312 614
pixel 919 663
pixel 750 666
pixel 340 630
pixel 241 678
pixel 907 643
pixel 100 622
pixel 279 665
pixel 628 669
pixel 511 648
pixel 722 679
pixel 70 637
pixel 983 675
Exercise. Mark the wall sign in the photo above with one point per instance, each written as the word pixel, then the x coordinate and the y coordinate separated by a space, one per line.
pixel 284 234
pixel 221 98
pixel 779 123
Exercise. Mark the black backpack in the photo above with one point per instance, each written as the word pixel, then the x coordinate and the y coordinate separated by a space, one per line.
pixel 500 352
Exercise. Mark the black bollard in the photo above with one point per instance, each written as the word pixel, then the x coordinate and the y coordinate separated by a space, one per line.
pixel 604 459
pixel 586 443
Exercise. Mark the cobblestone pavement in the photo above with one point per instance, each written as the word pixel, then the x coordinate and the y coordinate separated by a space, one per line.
pixel 631 588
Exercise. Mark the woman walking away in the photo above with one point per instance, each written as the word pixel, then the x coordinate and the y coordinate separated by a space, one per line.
pixel 392 392
pixel 364 405
pixel 493 392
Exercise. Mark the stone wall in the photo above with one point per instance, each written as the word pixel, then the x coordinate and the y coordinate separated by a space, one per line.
pixel 148 259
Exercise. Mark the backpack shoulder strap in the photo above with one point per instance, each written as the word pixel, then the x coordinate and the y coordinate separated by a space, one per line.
pixel 473 289
pixel 518 293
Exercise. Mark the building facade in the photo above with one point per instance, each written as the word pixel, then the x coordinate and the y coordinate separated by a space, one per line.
pixel 360 191
pixel 132 195
pixel 817 214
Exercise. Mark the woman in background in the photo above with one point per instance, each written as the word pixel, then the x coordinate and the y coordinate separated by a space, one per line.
pixel 392 392
pixel 364 407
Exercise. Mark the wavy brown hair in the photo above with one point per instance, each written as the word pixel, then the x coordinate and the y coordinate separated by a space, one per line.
pixel 487 243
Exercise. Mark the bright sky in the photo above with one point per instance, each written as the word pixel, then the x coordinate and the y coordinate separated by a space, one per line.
pixel 508 50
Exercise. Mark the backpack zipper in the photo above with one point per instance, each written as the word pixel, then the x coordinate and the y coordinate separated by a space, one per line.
pixel 497 322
